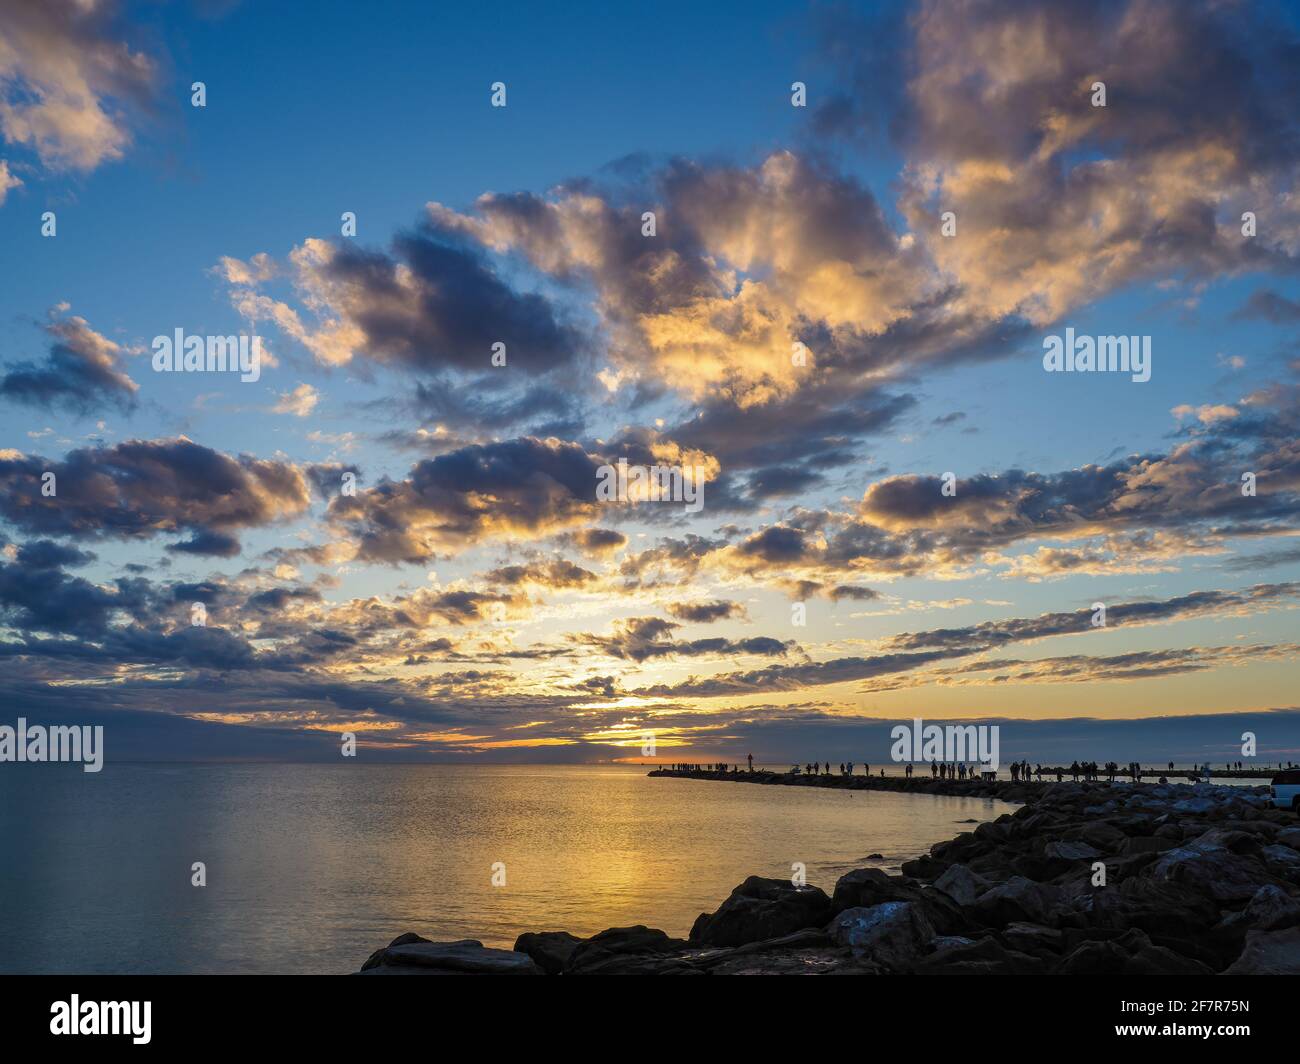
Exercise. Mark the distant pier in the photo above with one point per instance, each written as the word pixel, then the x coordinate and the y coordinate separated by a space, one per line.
pixel 924 783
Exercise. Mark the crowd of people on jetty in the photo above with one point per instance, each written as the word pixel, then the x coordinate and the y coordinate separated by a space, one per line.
pixel 1021 772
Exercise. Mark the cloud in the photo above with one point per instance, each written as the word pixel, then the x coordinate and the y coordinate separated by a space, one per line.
pixel 1268 306
pixel 525 488
pixel 748 263
pixel 644 638
pixel 139 489
pixel 300 402
pixel 46 554
pixel 41 598
pixel 8 180
pixel 1058 201
pixel 207 542
pixel 1024 629
pixel 81 373
pixel 432 303
pixel 596 542
pixel 911 651
pixel 557 573
pixel 1206 413
pixel 792 677
pixel 706 611
pixel 1084 668
pixel 67 84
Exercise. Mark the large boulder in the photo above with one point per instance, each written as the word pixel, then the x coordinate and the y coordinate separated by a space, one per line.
pixel 1068 852
pixel 1102 834
pixel 1269 953
pixel 1208 865
pixel 864 887
pixel 1032 939
pixel 893 934
pixel 725 958
pixel 1019 899
pixel 550 950
pixel 924 867
pixel 986 956
pixel 960 884
pixel 1282 861
pixel 759 909
pixel 637 950
pixel 1270 909
pixel 1173 915
pixel 1055 857
pixel 411 955
pixel 1130 954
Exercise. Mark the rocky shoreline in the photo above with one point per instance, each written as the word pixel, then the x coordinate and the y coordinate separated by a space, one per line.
pixel 1082 879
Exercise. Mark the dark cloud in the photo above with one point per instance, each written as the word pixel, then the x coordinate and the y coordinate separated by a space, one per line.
pixel 557 573
pixel 141 488
pixel 524 488
pixel 852 592
pixel 327 477
pixel 1269 306
pixel 494 403
pixel 1250 563
pixel 775 545
pixel 792 677
pixel 1084 668
pixel 783 480
pixel 911 651
pixel 46 554
pixel 1017 630
pixel 207 542
pixel 596 541
pixel 81 373
pixel 49 600
pixel 433 303
pixel 670 561
pixel 644 638
pixel 706 612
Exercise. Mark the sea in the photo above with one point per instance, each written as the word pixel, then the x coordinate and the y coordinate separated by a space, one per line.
pixel 310 868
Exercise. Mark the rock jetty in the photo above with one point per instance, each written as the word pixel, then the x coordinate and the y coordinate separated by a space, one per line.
pixel 1083 879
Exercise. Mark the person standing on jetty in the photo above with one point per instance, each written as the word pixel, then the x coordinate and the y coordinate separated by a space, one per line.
pixel 751 762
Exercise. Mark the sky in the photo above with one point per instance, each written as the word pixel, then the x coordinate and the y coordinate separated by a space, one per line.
pixel 807 259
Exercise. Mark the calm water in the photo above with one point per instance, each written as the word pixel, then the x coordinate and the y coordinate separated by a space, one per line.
pixel 311 867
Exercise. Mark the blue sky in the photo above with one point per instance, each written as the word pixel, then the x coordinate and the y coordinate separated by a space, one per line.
pixel 453 607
